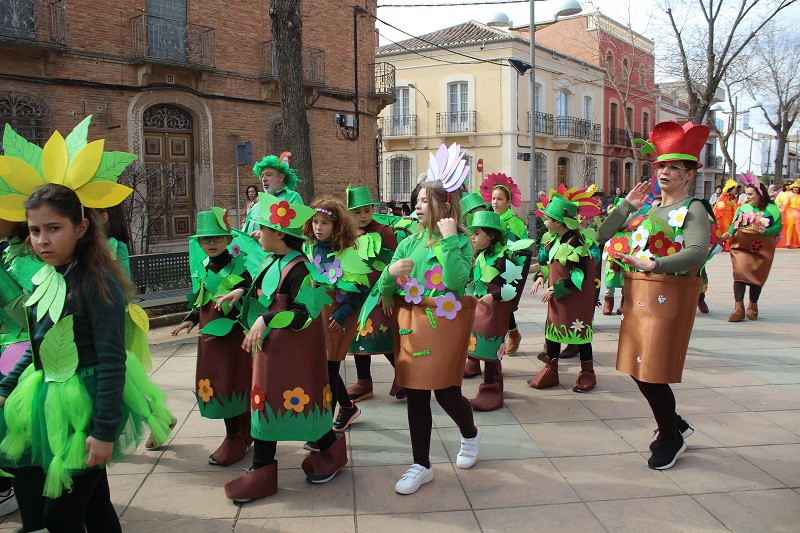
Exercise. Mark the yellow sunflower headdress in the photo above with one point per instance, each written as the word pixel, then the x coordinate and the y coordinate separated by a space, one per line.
pixel 729 185
pixel 83 167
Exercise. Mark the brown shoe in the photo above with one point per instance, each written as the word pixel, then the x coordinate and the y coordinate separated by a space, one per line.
pixel 489 398
pixel 255 484
pixel 702 306
pixel 608 305
pixel 738 313
pixel 323 466
pixel 512 341
pixel 151 444
pixel 570 350
pixel 472 368
pixel 752 311
pixel 542 356
pixel 547 377
pixel 586 378
pixel 361 390
pixel 232 450
pixel 621 302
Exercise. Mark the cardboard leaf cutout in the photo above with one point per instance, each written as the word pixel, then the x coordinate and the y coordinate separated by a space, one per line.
pixel 560 290
pixel 58 353
pixel 366 309
pixel 14 145
pixel 507 292
pixel 480 288
pixel 112 164
pixel 576 275
pixel 281 320
pixel 512 273
pixel 488 273
pixel 139 317
pixel 218 327
pixel 352 263
pixel 77 139
pixel 661 225
pixel 522 244
pixel 314 299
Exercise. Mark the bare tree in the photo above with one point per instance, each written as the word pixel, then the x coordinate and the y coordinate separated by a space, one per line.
pixel 287 31
pixel 149 204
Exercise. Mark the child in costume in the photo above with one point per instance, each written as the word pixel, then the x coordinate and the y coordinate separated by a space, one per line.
pixel 376 338
pixel 470 205
pixel 791 215
pixel 224 370
pixel 496 273
pixel 290 397
pixel 725 207
pixel 568 255
pixel 424 285
pixel 119 238
pixel 75 401
pixel 753 233
pixel 279 180
pixel 332 235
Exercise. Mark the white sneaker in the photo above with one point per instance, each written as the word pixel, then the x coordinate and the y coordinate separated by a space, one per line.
pixel 468 454
pixel 413 479
pixel 8 503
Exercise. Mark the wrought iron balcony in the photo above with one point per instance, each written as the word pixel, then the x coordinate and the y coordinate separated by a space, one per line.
pixel 619 137
pixel 398 125
pixel 544 123
pixel 383 74
pixel 576 128
pixel 162 40
pixel 713 161
pixel 313 64
pixel 34 22
pixel 462 122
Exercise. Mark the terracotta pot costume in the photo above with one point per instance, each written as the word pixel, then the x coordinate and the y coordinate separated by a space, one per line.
pixel 751 256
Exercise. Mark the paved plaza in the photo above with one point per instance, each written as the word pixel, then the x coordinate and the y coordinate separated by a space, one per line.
pixel 550 460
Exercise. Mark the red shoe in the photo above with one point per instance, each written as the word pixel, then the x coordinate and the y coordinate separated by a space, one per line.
pixel 323 466
pixel 254 485
pixel 547 377
pixel 489 398
pixel 587 380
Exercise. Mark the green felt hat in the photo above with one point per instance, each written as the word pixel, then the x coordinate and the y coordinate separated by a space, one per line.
pixel 487 220
pixel 561 209
pixel 471 202
pixel 282 216
pixel 359 197
pixel 213 223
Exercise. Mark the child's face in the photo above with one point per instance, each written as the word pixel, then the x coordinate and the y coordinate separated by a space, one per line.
pixel 552 224
pixel 423 208
pixel 54 236
pixel 214 246
pixel 480 239
pixel 499 201
pixel 269 239
pixel 363 215
pixel 322 226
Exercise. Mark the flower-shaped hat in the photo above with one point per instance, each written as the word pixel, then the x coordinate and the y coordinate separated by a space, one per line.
pixel 448 166
pixel 83 167
pixel 673 142
pixel 494 180
pixel 588 204
pixel 748 179
pixel 282 216
pixel 729 185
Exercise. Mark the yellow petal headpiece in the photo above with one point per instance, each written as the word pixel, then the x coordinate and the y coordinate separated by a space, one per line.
pixel 729 185
pixel 83 167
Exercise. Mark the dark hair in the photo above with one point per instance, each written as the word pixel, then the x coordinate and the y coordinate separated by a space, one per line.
pixel 763 195
pixel 495 237
pixel 295 243
pixel 117 226
pixel 91 250
pixel 247 190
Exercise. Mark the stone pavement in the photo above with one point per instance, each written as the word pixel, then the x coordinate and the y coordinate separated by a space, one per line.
pixel 549 459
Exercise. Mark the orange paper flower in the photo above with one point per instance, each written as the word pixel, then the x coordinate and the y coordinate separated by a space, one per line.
pixel 367 328
pixel 327 397
pixel 204 390
pixel 295 399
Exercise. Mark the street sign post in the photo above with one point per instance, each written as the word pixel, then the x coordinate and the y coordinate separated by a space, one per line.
pixel 244 156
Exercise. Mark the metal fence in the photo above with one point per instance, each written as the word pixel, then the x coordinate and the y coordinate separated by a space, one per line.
pixel 577 128
pixel 465 121
pixel 39 21
pixel 171 41
pixel 383 74
pixel 544 123
pixel 313 64
pixel 393 126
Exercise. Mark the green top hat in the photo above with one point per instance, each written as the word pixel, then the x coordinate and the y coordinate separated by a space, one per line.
pixel 282 216
pixel 487 220
pixel 561 209
pixel 471 202
pixel 212 223
pixel 359 197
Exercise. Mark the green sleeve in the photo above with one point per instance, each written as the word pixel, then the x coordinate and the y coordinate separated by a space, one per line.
pixel 251 219
pixel 732 229
pixel 615 221
pixel 124 257
pixel 293 197
pixel 387 282
pixel 696 239
pixel 775 221
pixel 457 266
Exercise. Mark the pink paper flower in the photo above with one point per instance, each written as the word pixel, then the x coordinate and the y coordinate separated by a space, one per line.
pixel 236 250
pixel 413 291
pixel 447 306
pixel 434 279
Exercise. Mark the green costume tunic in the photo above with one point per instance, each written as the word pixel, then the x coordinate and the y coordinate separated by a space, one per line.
pixel 18 267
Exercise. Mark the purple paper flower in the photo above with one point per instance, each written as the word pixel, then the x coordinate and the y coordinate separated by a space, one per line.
pixel 413 291
pixel 434 279
pixel 337 295
pixel 317 261
pixel 236 250
pixel 447 306
pixel 333 271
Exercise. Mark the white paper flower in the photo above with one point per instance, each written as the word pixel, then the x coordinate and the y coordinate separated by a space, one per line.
pixel 644 255
pixel 639 237
pixel 662 298
pixel 677 216
pixel 577 326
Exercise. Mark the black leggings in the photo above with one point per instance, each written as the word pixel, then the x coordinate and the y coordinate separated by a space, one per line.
pixel 338 390
pixel 662 402
pixel 490 371
pixel 264 450
pixel 363 363
pixel 87 507
pixel 420 421
pixel 554 348
pixel 739 288
pixel 512 322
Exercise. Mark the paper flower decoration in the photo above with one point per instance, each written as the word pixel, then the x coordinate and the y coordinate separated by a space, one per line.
pixel 577 326
pixel 413 291
pixel 295 399
pixel 402 280
pixel 473 343
pixel 501 351
pixel 447 306
pixel 636 222
pixel 588 205
pixel 204 390
pixel 677 216
pixel 257 399
pixel 281 214
pixel 662 298
pixel 333 271
pixel 367 329
pixel 493 180
pixel 327 397
pixel 756 246
pixel 236 250
pixel 317 262
pixel 660 245
pixel 644 255
pixel 639 237
pixel 433 278
pixel 448 166
pixel 618 245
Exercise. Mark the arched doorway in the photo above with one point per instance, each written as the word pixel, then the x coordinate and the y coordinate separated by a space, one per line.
pixel 28 115
pixel 561 171
pixel 168 157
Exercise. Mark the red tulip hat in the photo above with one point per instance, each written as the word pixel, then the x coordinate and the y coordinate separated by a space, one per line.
pixel 673 142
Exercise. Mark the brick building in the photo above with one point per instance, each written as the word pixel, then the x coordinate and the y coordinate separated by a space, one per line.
pixel 181 82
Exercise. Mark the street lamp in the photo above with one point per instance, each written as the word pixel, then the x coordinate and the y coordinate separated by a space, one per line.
pixel 733 114
pixel 414 86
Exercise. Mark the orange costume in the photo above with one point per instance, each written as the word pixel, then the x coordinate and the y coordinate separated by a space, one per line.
pixel 725 208
pixel 791 215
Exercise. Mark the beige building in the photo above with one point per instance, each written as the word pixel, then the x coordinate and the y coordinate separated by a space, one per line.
pixel 456 85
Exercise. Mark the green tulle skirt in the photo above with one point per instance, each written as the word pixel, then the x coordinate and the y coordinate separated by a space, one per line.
pixel 46 424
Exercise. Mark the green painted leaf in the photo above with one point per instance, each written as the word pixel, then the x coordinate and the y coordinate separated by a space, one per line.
pixel 369 305
pixel 112 164
pixel 14 145
pixel 470 290
pixel 576 275
pixel 43 273
pixel 560 290
pixel 368 245
pixel 314 298
pixel 47 300
pixel 39 291
pixel 269 283
pixel 352 263
pixel 218 327
pixel 659 224
pixel 227 284
pixel 58 353
pixel 513 272
pixel 77 139
pixel 507 292
pixel 488 273
pixel 522 244
pixel 346 286
pixel 281 320
pixel 254 309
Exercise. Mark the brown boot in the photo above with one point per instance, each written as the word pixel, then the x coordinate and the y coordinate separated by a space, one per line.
pixel 542 356
pixel 512 341
pixel 232 450
pixel 361 390
pixel 752 311
pixel 738 313
pixel 702 306
pixel 621 301
pixel 570 350
pixel 255 484
pixel 472 368
pixel 489 398
pixel 323 466
pixel 586 378
pixel 547 377
pixel 608 305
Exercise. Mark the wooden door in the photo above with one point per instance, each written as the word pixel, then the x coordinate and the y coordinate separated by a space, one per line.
pixel 168 159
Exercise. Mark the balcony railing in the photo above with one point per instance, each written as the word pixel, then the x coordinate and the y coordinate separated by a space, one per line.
pixel 618 137
pixel 544 123
pixel 577 128
pixel 713 161
pixel 383 74
pixel 395 126
pixel 313 64
pixel 32 22
pixel 161 40
pixel 461 122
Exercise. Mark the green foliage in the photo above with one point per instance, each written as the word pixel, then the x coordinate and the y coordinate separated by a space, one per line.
pixel 58 352
pixel 507 292
pixel 564 335
pixel 285 425
pixel 576 275
pixel 77 139
pixel 112 165
pixel 659 224
pixel 224 406
pixel 218 327
pixel 14 145
pixel 314 299
pixel 559 290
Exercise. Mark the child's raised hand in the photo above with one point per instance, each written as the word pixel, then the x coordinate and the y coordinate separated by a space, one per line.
pixel 401 267
pixel 99 451
pixel 333 325
pixel 486 299
pixel 538 284
pixel 188 325
pixel 447 227
pixel 231 297
pixel 253 338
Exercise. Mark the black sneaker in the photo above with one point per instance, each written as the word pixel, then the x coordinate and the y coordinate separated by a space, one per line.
pixel 683 428
pixel 311 446
pixel 345 417
pixel 666 453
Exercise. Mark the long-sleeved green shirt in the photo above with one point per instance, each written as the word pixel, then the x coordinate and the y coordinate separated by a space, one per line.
pixel 696 231
pixel 771 212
